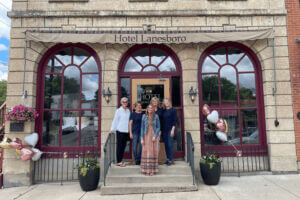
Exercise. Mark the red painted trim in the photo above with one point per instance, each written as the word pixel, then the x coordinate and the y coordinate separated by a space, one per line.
pixel 131 75
pixel 40 94
pixel 259 98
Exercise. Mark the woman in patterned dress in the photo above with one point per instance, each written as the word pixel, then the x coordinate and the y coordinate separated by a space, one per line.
pixel 149 138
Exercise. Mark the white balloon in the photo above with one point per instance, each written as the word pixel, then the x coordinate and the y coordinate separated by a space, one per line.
pixel 37 154
pixel 32 139
pixel 222 136
pixel 213 117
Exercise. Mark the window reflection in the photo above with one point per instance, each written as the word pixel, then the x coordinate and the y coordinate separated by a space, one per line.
pixel 142 56
pixel 54 66
pixel 168 65
pixel 65 56
pixel 89 66
pixel 234 55
pixel 247 89
pixel 250 131
pixel 219 56
pixel 52 91
pixel 71 87
pixel 70 128
pixel 125 88
pixel 233 134
pixel 210 89
pixel 228 86
pixel 79 56
pixel 89 95
pixel 245 65
pixel 132 66
pixel 157 56
pixel 150 69
pixel 89 128
pixel 209 66
pixel 51 126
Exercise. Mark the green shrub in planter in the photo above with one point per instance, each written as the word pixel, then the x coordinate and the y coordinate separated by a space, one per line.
pixel 210 167
pixel 89 174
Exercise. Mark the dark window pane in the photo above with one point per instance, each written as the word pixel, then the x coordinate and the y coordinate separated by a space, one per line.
pixel 219 55
pixel 157 56
pixel 247 90
pixel 176 97
pixel 168 65
pixel 142 56
pixel 54 66
pixel 65 56
pixel 178 146
pixel 51 125
pixel 210 130
pixel 146 92
pixel 70 128
pixel 89 128
pixel 245 65
pixel 209 66
pixel 89 66
pixel 125 89
pixel 132 66
pixel 233 134
pixel 71 87
pixel 234 55
pixel 210 89
pixel 228 86
pixel 250 130
pixel 79 56
pixel 52 92
pixel 89 95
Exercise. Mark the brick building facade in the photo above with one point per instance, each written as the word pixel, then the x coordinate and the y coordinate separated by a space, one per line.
pixel 293 30
pixel 251 118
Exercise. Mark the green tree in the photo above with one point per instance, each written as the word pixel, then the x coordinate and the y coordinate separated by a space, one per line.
pixel 3 85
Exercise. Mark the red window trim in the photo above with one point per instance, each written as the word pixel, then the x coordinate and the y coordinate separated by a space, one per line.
pixel 40 97
pixel 227 150
pixel 157 74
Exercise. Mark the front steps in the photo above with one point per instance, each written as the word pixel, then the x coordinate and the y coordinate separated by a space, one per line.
pixel 129 180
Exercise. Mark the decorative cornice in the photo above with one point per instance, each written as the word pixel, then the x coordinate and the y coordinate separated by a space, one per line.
pixel 145 13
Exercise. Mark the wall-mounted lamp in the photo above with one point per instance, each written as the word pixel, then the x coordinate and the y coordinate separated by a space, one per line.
pixel 107 95
pixel 193 94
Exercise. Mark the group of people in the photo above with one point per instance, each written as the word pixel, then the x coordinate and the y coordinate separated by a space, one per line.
pixel 145 130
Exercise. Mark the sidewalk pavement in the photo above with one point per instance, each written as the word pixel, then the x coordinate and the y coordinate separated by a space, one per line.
pixel 260 187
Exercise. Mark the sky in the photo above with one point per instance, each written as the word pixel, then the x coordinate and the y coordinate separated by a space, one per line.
pixel 5 5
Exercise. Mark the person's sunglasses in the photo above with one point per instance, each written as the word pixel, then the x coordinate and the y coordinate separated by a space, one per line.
pixel 125 102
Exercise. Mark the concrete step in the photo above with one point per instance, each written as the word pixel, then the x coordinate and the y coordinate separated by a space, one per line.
pixel 143 188
pixel 141 178
pixel 134 169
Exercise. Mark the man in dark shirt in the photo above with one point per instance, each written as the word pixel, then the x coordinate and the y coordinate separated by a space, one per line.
pixel 135 121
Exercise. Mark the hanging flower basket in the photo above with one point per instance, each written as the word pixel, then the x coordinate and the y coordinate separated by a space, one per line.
pixel 21 113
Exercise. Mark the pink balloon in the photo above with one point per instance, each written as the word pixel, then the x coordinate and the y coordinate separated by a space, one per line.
pixel 16 144
pixel 221 125
pixel 26 154
pixel 206 109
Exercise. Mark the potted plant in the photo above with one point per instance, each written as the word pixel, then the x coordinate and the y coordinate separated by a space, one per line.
pixel 210 167
pixel 89 174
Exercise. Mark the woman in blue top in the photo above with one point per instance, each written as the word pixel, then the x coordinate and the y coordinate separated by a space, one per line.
pixel 149 138
pixel 169 123
pixel 135 122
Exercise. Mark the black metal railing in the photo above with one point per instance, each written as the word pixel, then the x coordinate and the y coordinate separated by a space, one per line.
pixel 109 153
pixel 242 161
pixel 61 166
pixel 190 153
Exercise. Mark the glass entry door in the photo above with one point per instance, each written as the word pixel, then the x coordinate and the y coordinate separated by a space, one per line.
pixel 144 90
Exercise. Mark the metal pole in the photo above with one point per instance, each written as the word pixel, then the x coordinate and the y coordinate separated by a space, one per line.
pixel 276 122
pixel 24 72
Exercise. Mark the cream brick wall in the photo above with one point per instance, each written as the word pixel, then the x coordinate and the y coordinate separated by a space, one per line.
pixel 172 15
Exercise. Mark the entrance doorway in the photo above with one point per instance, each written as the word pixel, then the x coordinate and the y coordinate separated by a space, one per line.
pixel 149 71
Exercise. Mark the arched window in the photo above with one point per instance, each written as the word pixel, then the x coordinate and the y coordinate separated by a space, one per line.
pixel 230 82
pixel 69 99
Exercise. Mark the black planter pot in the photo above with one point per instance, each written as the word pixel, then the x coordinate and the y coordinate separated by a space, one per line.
pixel 90 181
pixel 210 176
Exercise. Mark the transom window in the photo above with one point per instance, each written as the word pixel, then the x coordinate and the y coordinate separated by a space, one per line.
pixel 150 60
pixel 70 98
pixel 230 83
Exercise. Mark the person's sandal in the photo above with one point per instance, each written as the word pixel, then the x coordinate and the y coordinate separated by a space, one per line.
pixel 121 164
